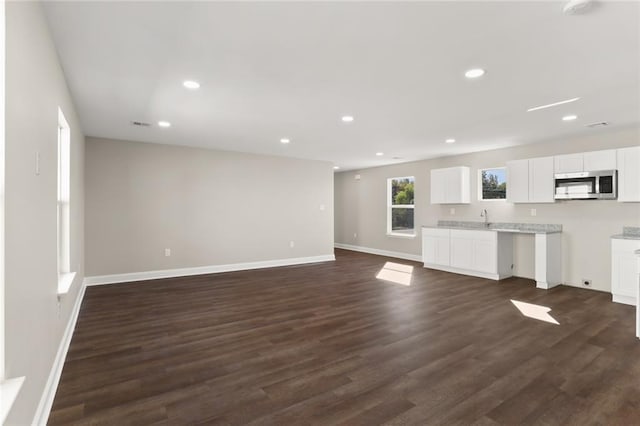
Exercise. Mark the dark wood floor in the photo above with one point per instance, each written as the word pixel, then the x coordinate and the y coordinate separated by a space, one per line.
pixel 331 344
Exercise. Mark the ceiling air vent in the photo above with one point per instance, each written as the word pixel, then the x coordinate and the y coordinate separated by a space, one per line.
pixel 140 124
pixel 599 124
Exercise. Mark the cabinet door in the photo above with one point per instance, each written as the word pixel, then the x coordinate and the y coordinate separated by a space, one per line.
pixel 541 182
pixel 518 181
pixel 435 246
pixel 438 186
pixel 461 251
pixel 600 160
pixel 442 251
pixel 568 163
pixel 428 249
pixel 458 185
pixel 629 174
pixel 453 185
pixel 624 274
pixel 485 257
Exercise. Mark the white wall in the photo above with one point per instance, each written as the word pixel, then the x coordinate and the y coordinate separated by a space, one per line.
pixel 587 225
pixel 209 207
pixel 35 88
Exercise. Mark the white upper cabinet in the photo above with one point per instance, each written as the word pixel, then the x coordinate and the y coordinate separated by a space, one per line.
pixel 569 163
pixel 518 181
pixel 600 160
pixel 541 181
pixel 629 174
pixel 530 181
pixel 585 161
pixel 450 186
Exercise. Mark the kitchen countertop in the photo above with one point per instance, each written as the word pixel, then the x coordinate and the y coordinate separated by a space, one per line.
pixel 628 233
pixel 522 228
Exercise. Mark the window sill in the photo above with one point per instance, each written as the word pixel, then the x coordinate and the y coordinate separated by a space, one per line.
pixel 406 236
pixel 9 390
pixel 64 283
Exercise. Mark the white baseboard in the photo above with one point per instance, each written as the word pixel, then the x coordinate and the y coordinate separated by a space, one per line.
pixel 201 270
pixel 397 254
pixel 46 401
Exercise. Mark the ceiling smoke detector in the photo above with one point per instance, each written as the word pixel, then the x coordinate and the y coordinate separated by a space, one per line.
pixel 599 124
pixel 577 7
pixel 140 123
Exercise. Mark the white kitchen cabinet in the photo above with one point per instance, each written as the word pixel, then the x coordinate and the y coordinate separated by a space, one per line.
pixel 568 163
pixel 600 160
pixel 450 186
pixel 628 162
pixel 474 250
pixel 625 267
pixel 468 252
pixel 585 161
pixel 435 246
pixel 461 249
pixel 541 181
pixel 530 180
pixel 518 181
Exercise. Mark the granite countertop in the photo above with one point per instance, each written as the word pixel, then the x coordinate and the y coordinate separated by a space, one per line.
pixel 523 228
pixel 628 233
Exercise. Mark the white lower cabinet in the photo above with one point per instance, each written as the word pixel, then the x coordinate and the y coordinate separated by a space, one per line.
pixel 468 252
pixel 625 267
pixel 435 246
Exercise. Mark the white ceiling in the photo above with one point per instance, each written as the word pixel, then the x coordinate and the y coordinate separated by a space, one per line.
pixel 275 70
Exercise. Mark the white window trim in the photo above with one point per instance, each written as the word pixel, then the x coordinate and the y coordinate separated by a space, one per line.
pixel 491 200
pixel 65 275
pixel 390 206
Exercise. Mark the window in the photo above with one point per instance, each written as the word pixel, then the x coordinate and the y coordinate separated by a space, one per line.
pixel 492 184
pixel 400 207
pixel 65 277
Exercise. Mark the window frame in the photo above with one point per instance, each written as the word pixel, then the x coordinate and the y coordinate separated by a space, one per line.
pixel 480 191
pixel 63 205
pixel 391 206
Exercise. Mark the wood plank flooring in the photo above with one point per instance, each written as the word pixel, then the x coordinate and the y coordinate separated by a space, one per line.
pixel 330 344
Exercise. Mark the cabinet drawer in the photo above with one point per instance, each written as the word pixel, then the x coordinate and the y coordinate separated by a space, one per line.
pixel 474 235
pixel 624 246
pixel 435 232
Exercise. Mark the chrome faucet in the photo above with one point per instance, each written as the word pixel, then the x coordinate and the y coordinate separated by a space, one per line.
pixel 484 214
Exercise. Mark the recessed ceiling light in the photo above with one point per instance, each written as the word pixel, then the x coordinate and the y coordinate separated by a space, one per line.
pixel 164 124
pixel 552 105
pixel 336 167
pixel 379 154
pixel 190 84
pixel 347 118
pixel 450 141
pixel 569 117
pixel 284 140
pixel 474 73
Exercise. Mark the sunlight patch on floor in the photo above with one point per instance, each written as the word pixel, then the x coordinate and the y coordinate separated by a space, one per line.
pixel 535 311
pixel 396 273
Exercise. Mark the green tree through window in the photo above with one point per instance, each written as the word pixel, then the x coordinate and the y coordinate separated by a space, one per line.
pixel 494 184
pixel 401 206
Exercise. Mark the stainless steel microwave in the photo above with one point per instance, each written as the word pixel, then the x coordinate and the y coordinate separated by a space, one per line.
pixel 597 185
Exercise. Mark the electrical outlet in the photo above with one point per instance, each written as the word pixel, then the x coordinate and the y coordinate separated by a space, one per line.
pixel 586 282
pixel 167 252
pixel 452 211
pixel 534 212
pixel 355 235
pixel 37 163
pixel 292 243
pixel 322 207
